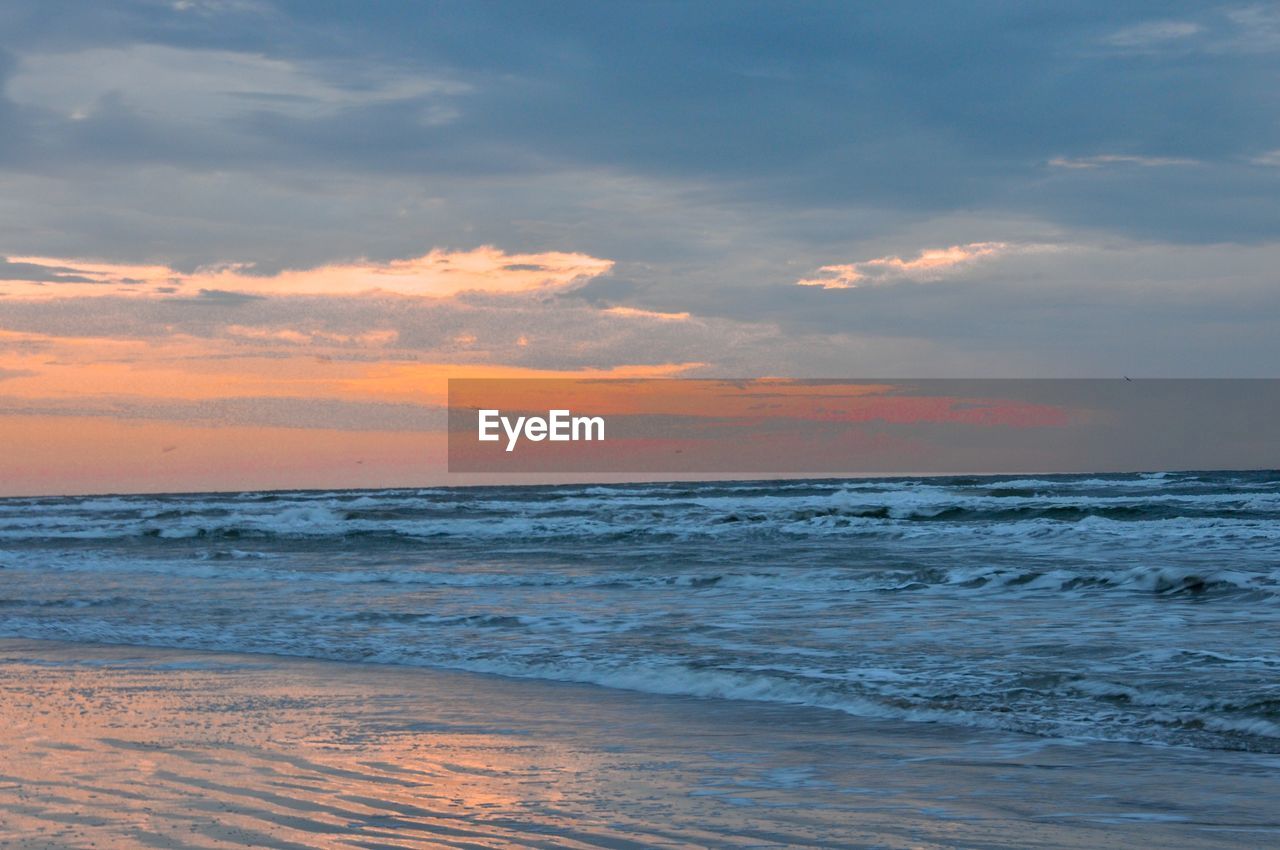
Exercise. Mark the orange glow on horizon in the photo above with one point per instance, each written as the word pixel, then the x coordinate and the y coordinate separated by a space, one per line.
pixel 741 403
pixel 58 455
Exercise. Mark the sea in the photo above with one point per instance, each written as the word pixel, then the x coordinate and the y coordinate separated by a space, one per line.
pixel 1139 607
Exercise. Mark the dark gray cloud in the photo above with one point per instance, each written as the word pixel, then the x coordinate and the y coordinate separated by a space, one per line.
pixel 719 152
pixel 216 297
pixel 904 106
pixel 40 273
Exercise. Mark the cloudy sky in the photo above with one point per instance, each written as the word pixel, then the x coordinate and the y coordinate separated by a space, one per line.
pixel 243 242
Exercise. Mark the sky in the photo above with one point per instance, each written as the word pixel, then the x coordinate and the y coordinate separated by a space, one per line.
pixel 788 427
pixel 244 243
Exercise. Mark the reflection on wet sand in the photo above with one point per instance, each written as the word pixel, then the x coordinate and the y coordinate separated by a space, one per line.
pixel 122 747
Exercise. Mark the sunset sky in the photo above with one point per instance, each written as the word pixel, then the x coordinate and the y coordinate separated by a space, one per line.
pixel 244 243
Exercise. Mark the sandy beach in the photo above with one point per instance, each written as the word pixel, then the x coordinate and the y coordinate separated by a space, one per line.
pixel 125 747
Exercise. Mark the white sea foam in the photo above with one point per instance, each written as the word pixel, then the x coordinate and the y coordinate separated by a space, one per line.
pixel 1130 607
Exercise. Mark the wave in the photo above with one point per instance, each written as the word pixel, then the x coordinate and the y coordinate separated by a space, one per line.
pixel 1137 607
pixel 1059 705
pixel 596 513
pixel 1190 580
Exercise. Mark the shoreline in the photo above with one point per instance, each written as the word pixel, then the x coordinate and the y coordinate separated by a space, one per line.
pixel 134 746
pixel 945 726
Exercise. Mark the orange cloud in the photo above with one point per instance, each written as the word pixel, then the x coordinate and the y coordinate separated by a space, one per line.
pixel 929 264
pixel 369 339
pixel 183 399
pixel 636 313
pixel 436 274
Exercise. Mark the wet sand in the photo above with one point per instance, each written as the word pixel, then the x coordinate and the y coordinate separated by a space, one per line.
pixel 124 747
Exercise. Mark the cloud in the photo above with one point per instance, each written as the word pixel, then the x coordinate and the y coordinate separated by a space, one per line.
pixel 1241 31
pixel 438 273
pixel 1101 160
pixel 201 88
pixel 1258 27
pixel 210 8
pixel 636 313
pixel 852 131
pixel 930 264
pixel 213 297
pixel 315 337
pixel 40 273
pixel 471 110
pixel 1152 33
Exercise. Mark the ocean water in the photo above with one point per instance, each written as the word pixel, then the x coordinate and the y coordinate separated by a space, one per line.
pixel 1120 607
